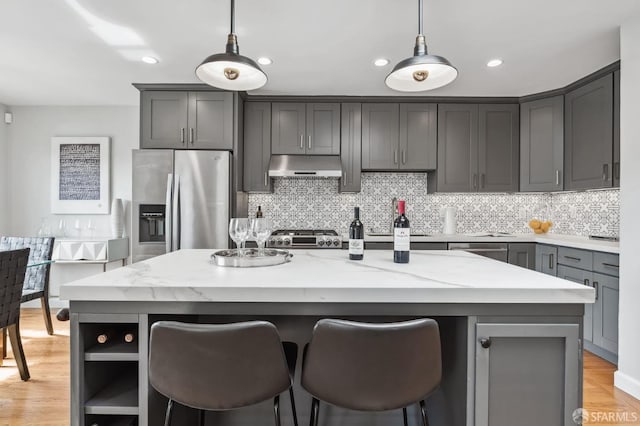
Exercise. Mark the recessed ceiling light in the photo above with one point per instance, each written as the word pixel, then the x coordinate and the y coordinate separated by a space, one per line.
pixel 381 62
pixel 265 61
pixel 494 63
pixel 149 60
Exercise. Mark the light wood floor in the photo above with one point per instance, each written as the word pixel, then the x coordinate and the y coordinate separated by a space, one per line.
pixel 44 400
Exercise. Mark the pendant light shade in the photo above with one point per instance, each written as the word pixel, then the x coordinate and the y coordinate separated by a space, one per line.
pixel 230 70
pixel 421 71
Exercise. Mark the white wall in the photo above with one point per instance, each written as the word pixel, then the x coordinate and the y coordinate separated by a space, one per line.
pixel 4 211
pixel 627 377
pixel 29 158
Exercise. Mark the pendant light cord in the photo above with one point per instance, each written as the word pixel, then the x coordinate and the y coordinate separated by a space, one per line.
pixel 233 16
pixel 419 16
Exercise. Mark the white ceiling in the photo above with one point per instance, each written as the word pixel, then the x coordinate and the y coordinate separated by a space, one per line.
pixel 50 56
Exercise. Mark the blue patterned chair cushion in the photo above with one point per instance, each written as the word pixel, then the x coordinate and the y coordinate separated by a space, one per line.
pixel 36 278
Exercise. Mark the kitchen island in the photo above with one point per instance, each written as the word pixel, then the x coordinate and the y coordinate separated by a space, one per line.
pixel 511 343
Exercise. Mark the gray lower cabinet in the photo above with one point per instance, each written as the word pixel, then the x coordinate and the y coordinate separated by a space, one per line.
pixel 589 135
pixel 580 276
pixel 478 148
pixel 522 254
pixel 605 312
pixel 399 136
pixel 542 144
pixel 546 258
pixel 309 129
pixel 351 147
pixel 257 146
pixel 505 391
pixel 186 120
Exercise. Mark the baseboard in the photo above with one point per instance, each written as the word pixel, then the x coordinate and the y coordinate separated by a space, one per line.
pixel 627 383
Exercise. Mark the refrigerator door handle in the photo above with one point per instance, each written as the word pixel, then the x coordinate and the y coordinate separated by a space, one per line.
pixel 175 244
pixel 169 216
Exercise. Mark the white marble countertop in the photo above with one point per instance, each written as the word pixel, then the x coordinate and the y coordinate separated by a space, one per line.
pixel 551 239
pixel 329 276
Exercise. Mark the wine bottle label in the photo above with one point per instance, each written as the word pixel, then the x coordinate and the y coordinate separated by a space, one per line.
pixel 401 239
pixel 356 246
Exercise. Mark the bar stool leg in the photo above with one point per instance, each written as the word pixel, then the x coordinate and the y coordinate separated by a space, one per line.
pixel 18 352
pixel 4 343
pixel 167 417
pixel 404 416
pixel 293 407
pixel 315 412
pixel 276 409
pixel 423 411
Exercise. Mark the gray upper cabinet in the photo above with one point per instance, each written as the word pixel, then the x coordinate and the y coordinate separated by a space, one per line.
pixel 418 137
pixel 257 146
pixel 351 147
pixel 399 136
pixel 311 129
pixel 189 120
pixel 164 119
pixel 478 148
pixel 288 128
pixel 323 129
pixel 380 136
pixel 616 128
pixel 589 135
pixel 498 147
pixel 457 148
pixel 542 145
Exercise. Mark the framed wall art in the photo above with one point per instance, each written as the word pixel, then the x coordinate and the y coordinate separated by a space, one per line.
pixel 80 175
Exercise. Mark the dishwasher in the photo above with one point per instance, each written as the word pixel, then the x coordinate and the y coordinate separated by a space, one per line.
pixel 498 251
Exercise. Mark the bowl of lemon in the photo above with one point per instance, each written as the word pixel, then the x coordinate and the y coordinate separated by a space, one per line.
pixel 539 226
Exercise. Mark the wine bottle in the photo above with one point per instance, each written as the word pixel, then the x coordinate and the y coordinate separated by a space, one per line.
pixel 401 235
pixel 356 237
pixel 259 212
pixel 105 336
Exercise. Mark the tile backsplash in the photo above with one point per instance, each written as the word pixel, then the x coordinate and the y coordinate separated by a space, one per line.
pixel 316 203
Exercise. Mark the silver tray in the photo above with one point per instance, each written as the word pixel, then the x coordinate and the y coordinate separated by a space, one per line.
pixel 251 258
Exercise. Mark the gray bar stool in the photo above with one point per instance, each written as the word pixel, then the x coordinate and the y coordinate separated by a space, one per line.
pixel 218 366
pixel 372 367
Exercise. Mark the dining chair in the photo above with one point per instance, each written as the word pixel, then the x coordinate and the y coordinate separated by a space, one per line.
pixel 372 367
pixel 13 265
pixel 215 367
pixel 36 281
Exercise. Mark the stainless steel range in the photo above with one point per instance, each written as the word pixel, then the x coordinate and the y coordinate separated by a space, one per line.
pixel 305 238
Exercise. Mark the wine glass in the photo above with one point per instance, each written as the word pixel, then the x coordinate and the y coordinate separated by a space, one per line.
pixel 233 233
pixel 62 228
pixel 91 228
pixel 242 232
pixel 260 230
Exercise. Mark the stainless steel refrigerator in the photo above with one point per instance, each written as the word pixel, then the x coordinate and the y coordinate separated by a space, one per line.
pixel 180 200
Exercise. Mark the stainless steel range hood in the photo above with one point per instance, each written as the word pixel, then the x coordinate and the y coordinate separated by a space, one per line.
pixel 305 166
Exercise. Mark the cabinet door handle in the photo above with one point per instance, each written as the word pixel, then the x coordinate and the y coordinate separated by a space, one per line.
pixel 191 135
pixel 577 259
pixel 404 159
pixel 551 262
pixel 182 135
pixel 482 180
pixel 266 177
pixel 596 285
pixel 616 169
pixel 557 177
pixel 586 282
pixel 309 141
pixel 395 156
pixel 605 172
pixel 475 181
pixel 610 265
pixel 344 178
pixel 485 342
pixel 301 141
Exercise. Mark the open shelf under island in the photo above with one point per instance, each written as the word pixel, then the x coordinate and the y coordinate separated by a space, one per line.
pixel 511 337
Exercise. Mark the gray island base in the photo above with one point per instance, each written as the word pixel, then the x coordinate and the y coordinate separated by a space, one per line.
pixel 511 337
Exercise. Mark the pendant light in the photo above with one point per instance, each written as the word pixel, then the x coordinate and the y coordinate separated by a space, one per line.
pixel 230 70
pixel 421 71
